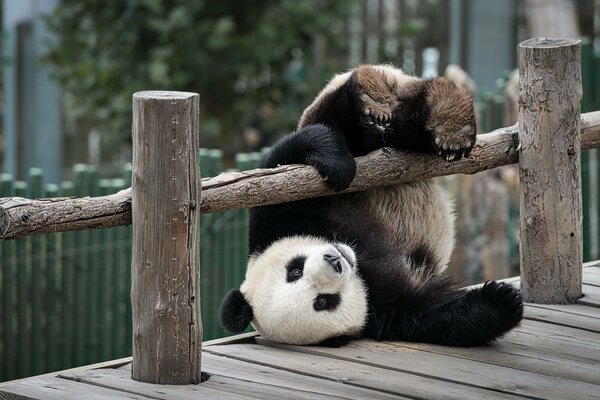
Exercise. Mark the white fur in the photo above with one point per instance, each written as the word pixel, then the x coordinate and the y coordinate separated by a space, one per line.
pixel 283 311
pixel 416 213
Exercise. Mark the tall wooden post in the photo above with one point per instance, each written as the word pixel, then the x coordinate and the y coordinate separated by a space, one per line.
pixel 167 329
pixel 550 176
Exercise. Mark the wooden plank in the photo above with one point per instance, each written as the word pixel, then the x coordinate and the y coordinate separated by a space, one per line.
pixel 53 388
pixel 519 357
pixel 306 386
pixel 556 339
pixel 465 371
pixel 247 337
pixel 591 276
pixel 121 381
pixel 559 317
pixel 356 372
pixel 239 379
pixel 575 309
pixel 591 296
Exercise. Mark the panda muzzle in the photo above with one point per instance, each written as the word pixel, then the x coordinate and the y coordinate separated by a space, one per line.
pixel 334 261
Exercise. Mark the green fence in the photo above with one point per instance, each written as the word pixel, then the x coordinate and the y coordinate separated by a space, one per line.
pixel 65 296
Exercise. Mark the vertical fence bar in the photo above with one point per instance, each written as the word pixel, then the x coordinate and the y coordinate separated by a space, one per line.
pixel 67 282
pixel 118 285
pixel 53 269
pixel 81 267
pixel 22 264
pixel 9 253
pixel 549 173
pixel 104 261
pixel 128 232
pixel 167 329
pixel 38 273
pixel 93 273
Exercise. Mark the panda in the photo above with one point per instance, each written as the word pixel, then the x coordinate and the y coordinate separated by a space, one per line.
pixel 369 264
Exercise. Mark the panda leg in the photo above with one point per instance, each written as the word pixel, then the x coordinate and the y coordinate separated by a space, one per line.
pixel 472 318
pixel 414 114
pixel 319 146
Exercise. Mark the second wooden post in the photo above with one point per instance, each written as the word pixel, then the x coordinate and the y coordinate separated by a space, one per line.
pixel 549 165
pixel 167 330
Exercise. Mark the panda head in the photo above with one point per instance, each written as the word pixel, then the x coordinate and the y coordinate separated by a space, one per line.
pixel 300 290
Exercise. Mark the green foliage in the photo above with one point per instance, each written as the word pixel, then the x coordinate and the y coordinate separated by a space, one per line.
pixel 242 56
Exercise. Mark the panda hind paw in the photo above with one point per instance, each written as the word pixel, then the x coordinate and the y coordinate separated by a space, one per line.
pixel 453 146
pixel 376 97
pixel 376 114
pixel 505 300
pixel 450 120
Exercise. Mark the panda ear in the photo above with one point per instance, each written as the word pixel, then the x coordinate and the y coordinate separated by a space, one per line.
pixel 235 312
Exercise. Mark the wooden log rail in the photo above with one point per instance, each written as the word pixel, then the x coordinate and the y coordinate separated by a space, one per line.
pixel 21 217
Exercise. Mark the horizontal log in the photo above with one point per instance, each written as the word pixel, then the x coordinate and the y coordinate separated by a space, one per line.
pixel 23 217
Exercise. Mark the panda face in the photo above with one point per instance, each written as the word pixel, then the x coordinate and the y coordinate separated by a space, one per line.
pixel 304 290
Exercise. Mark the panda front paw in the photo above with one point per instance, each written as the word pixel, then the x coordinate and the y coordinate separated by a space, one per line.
pixel 451 120
pixel 338 171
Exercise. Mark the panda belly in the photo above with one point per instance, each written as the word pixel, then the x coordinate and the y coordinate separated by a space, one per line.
pixel 416 218
pixel 406 225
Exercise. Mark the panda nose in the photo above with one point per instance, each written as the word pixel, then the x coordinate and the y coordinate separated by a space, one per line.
pixel 334 261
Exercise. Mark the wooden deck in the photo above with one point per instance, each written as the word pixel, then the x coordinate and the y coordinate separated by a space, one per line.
pixel 554 354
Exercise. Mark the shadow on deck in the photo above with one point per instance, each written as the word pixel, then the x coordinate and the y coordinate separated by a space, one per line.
pixel 554 354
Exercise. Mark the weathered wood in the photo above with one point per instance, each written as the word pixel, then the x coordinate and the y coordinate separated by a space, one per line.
pixel 266 382
pixel 591 296
pixel 271 186
pixel 561 318
pixel 52 388
pixel 20 217
pixel 538 359
pixel 167 329
pixel 359 374
pixel 121 380
pixel 511 355
pixel 376 360
pixel 549 173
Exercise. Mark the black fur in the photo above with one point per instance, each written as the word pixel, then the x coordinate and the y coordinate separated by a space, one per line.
pixel 399 308
pixel 235 313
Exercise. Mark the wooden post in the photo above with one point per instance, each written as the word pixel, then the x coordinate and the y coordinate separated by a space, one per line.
pixel 167 329
pixel 550 176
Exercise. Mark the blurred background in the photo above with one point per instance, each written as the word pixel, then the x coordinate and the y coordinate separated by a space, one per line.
pixel 70 68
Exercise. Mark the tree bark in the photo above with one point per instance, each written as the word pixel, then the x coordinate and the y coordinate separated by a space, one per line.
pixel 167 329
pixel 550 176
pixel 23 217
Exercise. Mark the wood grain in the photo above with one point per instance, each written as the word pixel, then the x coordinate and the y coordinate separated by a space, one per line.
pixel 165 298
pixel 549 170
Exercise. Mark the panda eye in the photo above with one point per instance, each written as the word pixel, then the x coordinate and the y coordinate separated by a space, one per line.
pixel 326 301
pixel 295 269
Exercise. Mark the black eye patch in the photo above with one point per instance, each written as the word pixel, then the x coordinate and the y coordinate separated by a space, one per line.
pixel 326 301
pixel 295 268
